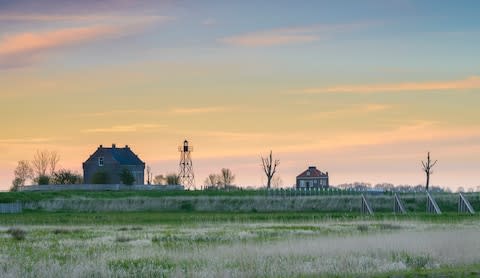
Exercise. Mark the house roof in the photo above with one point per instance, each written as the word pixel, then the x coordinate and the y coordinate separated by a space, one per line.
pixel 312 172
pixel 124 156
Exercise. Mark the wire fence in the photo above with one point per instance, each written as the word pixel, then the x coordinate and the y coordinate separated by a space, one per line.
pixel 292 192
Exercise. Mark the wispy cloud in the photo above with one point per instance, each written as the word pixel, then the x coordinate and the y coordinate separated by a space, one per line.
pixel 198 110
pixel 462 84
pixel 27 140
pixel 118 112
pixel 353 110
pixel 33 42
pixel 125 128
pixel 26 48
pixel 289 35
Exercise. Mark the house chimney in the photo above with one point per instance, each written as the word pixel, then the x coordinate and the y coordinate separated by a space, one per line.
pixel 101 146
pixel 312 167
pixel 113 146
pixel 126 146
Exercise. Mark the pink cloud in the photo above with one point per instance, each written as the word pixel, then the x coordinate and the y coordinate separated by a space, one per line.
pixel 26 48
pixel 32 42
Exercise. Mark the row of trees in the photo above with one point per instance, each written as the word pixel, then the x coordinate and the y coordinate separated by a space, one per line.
pixel 389 187
pixel 42 169
pixel 223 180
pixel 169 179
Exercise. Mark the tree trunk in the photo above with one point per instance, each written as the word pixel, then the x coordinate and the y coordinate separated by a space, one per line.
pixel 428 180
pixel 269 180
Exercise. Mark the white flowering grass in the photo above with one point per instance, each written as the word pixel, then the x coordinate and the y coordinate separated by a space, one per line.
pixel 266 249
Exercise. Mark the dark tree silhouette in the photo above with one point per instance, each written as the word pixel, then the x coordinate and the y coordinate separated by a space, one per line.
pixel 149 175
pixel 427 168
pixel 173 179
pixel 270 168
pixel 226 177
pixel 126 177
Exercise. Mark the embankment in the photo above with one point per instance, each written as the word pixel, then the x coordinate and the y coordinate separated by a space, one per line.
pixel 380 203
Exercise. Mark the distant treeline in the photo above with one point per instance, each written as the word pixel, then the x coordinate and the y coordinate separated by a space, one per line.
pixel 390 187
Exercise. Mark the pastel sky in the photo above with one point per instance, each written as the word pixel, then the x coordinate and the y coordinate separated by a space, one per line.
pixel 361 89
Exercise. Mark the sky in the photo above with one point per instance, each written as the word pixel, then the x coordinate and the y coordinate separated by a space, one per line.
pixel 361 89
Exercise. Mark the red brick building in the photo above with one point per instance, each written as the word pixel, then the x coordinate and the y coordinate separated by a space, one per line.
pixel 312 178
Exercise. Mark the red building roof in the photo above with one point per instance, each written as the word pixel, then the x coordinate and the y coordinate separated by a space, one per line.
pixel 312 172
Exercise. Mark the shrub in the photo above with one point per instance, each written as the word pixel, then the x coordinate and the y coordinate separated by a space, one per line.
pixel 100 177
pixel 17 233
pixel 186 206
pixel 126 177
pixel 122 239
pixel 58 231
pixel 66 177
pixel 43 180
pixel 16 183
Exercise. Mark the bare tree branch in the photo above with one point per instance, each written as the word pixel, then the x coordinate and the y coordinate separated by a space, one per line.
pixel 53 160
pixel 227 177
pixel 269 167
pixel 41 162
pixel 427 168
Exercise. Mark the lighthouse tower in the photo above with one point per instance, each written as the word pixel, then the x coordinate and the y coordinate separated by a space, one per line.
pixel 187 178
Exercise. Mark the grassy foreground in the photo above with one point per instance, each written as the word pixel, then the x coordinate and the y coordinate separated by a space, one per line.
pixel 194 244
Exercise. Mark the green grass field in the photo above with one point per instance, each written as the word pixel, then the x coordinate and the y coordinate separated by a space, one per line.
pixel 234 234
pixel 219 244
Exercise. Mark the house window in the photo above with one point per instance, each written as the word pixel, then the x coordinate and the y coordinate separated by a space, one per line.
pixel 308 173
pixel 100 161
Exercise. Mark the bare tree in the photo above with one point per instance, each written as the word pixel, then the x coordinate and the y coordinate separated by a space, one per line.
pixel 212 180
pixel 149 175
pixel 427 168
pixel 41 162
pixel 226 177
pixel 23 172
pixel 53 159
pixel 173 179
pixel 270 168
pixel 160 180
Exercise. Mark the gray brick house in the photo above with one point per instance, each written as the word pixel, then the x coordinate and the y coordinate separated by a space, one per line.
pixel 312 178
pixel 110 162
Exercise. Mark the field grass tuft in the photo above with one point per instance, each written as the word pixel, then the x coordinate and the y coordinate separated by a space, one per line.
pixel 17 233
